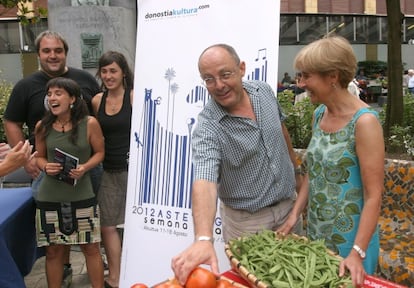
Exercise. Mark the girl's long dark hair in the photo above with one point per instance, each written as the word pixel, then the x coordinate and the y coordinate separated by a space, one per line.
pixel 77 112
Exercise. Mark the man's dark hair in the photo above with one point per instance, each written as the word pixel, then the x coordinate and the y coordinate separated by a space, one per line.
pixel 51 34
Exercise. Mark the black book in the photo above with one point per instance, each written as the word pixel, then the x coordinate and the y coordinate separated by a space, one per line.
pixel 68 162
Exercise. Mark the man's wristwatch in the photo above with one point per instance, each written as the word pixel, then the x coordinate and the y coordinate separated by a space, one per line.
pixel 298 170
pixel 361 252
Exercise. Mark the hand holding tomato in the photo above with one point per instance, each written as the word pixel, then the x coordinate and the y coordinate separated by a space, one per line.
pixel 200 252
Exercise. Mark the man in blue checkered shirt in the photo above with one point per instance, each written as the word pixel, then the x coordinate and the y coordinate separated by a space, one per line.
pixel 242 155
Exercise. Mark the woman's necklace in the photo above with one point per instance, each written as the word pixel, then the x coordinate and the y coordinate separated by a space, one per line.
pixel 62 124
pixel 113 107
pixel 114 102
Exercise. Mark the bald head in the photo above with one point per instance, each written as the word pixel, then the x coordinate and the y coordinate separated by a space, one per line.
pixel 219 49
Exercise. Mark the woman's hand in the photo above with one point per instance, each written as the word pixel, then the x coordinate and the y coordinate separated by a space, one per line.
pixel 353 264
pixel 78 172
pixel 52 168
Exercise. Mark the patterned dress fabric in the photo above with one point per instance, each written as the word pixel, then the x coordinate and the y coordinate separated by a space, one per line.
pixel 396 222
pixel 335 189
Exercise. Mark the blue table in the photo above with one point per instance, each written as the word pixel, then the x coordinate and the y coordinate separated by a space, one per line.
pixel 17 236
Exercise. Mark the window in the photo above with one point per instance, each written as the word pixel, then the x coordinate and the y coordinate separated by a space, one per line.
pixel 342 25
pixel 383 28
pixel 9 37
pixel 30 33
pixel 288 31
pixel 15 37
pixel 367 29
pixel 409 28
pixel 311 28
pixel 358 29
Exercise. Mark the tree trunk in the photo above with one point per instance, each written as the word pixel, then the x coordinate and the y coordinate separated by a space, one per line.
pixel 394 110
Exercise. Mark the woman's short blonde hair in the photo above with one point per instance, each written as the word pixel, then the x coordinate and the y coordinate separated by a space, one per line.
pixel 326 55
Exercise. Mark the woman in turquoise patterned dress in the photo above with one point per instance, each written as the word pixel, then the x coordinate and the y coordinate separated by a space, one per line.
pixel 345 159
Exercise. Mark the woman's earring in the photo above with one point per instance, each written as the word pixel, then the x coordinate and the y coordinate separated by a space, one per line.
pixel 71 106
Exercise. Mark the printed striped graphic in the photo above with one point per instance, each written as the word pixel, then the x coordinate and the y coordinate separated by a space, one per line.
pixel 164 170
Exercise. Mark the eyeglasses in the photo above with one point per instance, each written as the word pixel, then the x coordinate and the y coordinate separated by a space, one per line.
pixel 211 81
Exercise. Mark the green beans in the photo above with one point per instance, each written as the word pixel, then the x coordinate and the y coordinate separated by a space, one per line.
pixel 293 262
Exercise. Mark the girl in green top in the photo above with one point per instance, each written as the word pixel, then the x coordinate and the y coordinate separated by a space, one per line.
pixel 68 214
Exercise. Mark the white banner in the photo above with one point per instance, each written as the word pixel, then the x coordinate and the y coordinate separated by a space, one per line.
pixel 168 95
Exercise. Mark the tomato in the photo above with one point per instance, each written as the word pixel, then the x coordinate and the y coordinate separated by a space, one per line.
pixel 201 278
pixel 221 283
pixel 168 285
pixel 163 285
pixel 139 285
pixel 173 283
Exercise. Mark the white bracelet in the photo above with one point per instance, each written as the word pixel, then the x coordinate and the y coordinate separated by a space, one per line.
pixel 359 250
pixel 204 238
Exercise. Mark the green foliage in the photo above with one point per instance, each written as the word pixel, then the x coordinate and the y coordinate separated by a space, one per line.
pixel 299 121
pixel 401 139
pixel 299 118
pixel 25 14
pixel 372 67
pixel 5 90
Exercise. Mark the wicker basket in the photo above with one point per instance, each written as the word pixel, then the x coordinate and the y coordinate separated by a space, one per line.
pixel 248 276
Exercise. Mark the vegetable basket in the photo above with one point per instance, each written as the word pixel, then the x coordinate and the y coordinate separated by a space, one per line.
pixel 269 259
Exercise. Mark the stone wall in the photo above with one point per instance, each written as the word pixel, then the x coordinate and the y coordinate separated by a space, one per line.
pixel 397 223
pixel 94 27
